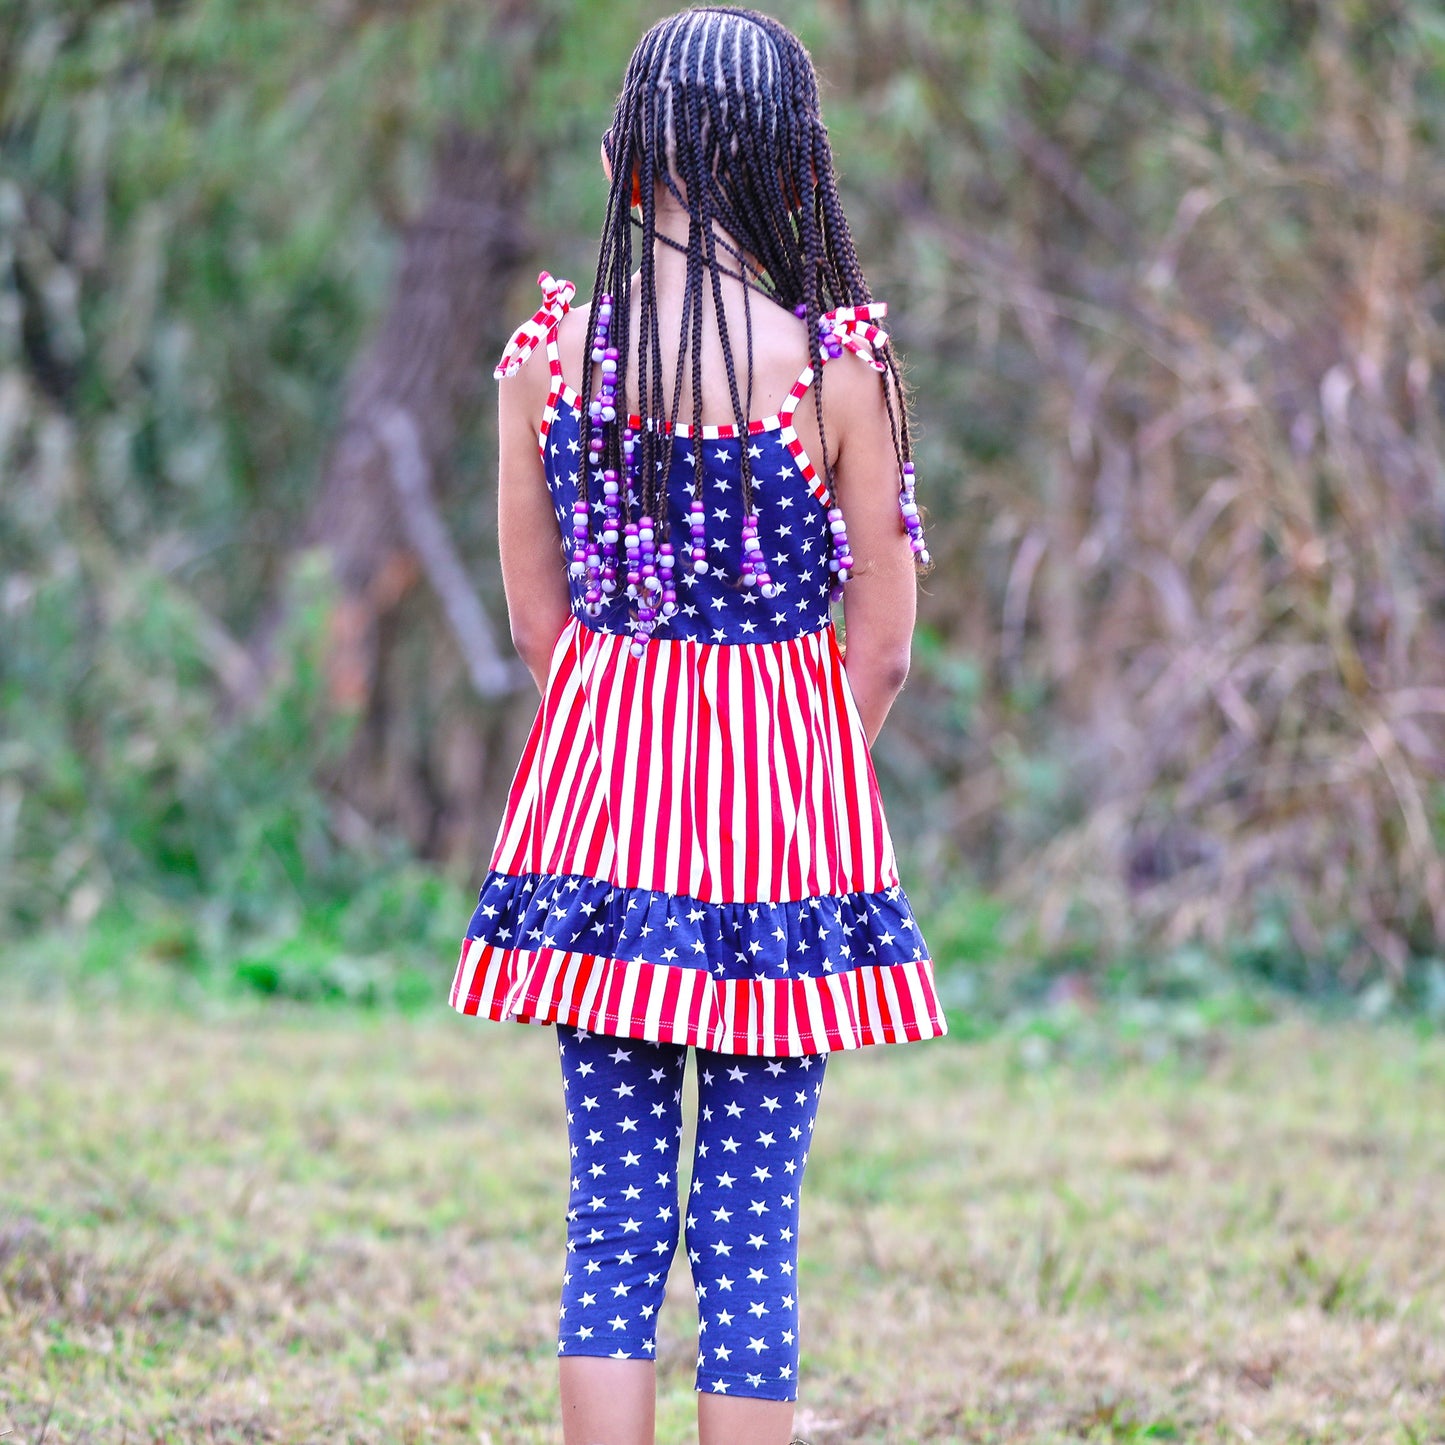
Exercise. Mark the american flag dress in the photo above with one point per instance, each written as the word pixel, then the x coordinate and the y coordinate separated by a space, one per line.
pixel 694 849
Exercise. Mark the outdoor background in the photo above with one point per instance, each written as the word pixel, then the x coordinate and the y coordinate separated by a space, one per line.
pixel 1169 281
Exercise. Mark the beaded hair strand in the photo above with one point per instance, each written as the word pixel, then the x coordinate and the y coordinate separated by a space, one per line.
pixel 720 105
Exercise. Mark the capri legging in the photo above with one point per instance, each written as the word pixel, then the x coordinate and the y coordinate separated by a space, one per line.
pixel 740 1224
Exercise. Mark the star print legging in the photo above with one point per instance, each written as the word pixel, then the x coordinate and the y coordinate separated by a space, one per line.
pixel 740 1222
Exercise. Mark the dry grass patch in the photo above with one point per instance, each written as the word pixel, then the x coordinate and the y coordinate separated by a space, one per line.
pixel 293 1227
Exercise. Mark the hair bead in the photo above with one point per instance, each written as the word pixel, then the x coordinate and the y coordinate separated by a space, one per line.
pixel 912 522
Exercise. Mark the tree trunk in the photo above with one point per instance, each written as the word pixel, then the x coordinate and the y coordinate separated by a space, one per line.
pixel 378 514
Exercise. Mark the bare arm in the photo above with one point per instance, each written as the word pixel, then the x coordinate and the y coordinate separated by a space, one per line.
pixel 533 571
pixel 880 601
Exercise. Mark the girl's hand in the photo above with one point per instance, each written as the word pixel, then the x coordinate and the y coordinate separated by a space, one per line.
pixel 880 600
pixel 533 571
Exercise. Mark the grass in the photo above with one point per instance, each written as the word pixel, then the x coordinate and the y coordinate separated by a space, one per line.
pixel 285 1225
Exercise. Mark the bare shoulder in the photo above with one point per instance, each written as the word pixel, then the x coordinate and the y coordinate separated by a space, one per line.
pixel 854 404
pixel 527 390
pixel 573 333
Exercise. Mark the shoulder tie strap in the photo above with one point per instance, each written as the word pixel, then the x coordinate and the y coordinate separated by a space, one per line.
pixel 852 326
pixel 556 302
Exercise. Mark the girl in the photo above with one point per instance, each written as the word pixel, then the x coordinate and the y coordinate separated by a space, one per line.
pixel 694 853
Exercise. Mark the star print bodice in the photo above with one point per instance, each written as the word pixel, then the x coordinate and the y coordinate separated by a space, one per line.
pixel 714 606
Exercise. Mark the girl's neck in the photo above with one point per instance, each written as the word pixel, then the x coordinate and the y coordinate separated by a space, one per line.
pixel 671 226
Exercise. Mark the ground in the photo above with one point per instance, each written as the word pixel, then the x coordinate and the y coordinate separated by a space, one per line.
pixel 301 1226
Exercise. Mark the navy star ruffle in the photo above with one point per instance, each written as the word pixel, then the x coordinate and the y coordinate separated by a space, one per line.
pixel 810 937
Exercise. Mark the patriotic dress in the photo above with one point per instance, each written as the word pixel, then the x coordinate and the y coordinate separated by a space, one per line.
pixel 694 850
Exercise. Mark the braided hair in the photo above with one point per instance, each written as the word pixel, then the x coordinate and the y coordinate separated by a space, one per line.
pixel 720 105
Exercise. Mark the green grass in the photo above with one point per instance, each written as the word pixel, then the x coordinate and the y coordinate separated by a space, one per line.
pixel 291 1226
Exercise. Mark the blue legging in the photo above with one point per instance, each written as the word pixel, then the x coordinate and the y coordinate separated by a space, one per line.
pixel 624 1121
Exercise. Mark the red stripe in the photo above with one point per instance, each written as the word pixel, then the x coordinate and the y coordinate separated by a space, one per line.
pixel 518 790
pixel 799 882
pixel 574 849
pixel 742 1012
pixel 617 781
pixel 783 1010
pixel 596 843
pixel 666 764
pixel 771 655
pixel 864 1011
pixel 886 1023
pixel 566 805
pixel 695 1011
pixel 604 1010
pixel 790 868
pixel 641 747
pixel 847 882
pixel 725 801
pixel 829 1011
pixel 753 818
pixel 686 782
pixel 552 782
pixel 671 992
pixel 702 801
pixel 824 839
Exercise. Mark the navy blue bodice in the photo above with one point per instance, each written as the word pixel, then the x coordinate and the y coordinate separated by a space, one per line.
pixel 715 607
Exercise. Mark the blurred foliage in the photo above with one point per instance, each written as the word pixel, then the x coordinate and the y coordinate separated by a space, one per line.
pixel 1169 284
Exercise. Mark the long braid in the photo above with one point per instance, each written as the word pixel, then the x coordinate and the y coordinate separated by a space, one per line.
pixel 720 105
